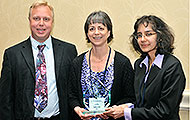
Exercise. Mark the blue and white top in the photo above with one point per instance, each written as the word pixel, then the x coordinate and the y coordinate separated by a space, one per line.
pixel 95 85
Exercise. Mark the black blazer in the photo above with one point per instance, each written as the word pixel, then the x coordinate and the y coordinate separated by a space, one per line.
pixel 163 93
pixel 17 82
pixel 122 90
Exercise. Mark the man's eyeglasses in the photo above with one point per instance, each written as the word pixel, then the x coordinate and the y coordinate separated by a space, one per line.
pixel 139 36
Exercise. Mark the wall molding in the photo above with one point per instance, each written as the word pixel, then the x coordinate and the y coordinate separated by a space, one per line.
pixel 185 104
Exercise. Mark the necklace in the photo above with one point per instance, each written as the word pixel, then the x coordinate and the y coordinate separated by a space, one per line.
pixel 105 66
pixel 100 60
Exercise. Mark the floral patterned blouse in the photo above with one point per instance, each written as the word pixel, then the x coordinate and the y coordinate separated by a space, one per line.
pixel 95 85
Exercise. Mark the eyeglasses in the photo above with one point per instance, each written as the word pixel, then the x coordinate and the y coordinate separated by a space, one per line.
pixel 139 36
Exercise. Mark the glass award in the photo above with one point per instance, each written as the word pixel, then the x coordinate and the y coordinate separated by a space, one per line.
pixel 97 105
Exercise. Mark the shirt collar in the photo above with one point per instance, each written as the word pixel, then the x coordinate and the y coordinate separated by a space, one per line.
pixel 158 61
pixel 35 43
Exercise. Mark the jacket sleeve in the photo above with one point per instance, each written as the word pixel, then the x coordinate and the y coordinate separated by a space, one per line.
pixel 6 90
pixel 75 98
pixel 128 80
pixel 124 81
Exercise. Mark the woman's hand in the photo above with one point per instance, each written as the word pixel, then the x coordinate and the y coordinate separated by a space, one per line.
pixel 103 116
pixel 80 111
pixel 115 111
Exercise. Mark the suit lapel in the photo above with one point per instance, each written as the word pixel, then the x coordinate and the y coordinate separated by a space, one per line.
pixel 153 73
pixel 139 78
pixel 28 56
pixel 141 74
pixel 57 55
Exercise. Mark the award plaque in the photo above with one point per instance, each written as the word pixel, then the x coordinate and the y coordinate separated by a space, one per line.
pixel 97 103
pixel 96 106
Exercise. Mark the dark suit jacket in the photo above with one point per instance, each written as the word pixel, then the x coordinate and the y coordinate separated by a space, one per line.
pixel 17 81
pixel 122 90
pixel 163 93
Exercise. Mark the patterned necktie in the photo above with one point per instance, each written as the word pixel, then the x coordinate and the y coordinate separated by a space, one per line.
pixel 41 94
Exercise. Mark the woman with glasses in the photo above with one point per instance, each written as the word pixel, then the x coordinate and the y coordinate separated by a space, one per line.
pixel 100 77
pixel 159 78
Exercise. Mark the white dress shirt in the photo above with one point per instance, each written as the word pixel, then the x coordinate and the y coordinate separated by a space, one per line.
pixel 52 108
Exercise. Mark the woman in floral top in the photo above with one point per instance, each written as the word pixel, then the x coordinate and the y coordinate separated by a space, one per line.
pixel 100 74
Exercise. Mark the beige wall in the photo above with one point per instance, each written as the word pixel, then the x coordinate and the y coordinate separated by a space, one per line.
pixel 70 16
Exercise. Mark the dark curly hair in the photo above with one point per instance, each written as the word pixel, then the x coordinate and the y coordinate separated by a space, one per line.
pixel 99 17
pixel 165 36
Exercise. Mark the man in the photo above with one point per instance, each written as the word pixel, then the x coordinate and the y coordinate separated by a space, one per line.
pixel 33 83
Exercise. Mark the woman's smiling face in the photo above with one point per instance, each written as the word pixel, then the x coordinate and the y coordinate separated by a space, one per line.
pixel 98 34
pixel 146 38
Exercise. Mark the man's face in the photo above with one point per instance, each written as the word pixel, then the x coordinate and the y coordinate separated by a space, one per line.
pixel 41 23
